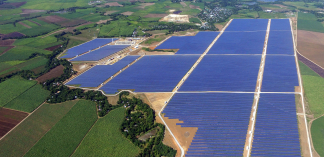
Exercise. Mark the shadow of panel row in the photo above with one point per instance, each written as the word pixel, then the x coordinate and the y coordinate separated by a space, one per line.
pixel 276 128
pixel 222 120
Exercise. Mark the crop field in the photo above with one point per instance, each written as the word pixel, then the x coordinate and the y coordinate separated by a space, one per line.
pixel 16 85
pixel 21 53
pixel 34 30
pixel 29 101
pixel 9 119
pixel 105 137
pixel 66 135
pixel 317 135
pixel 24 136
pixel 308 22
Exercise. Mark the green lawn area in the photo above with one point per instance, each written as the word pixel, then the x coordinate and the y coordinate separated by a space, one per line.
pixel 105 138
pixel 308 22
pixel 12 88
pixel 314 90
pixel 66 135
pixel 21 53
pixel 317 131
pixel 25 135
pixel 29 100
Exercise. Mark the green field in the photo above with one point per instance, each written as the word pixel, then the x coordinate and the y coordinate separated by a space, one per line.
pixel 51 4
pixel 314 91
pixel 24 136
pixel 29 100
pixel 308 22
pixel 12 88
pixel 2 48
pixel 317 130
pixel 21 53
pixel 35 30
pixel 245 14
pixel 273 15
pixel 302 5
pixel 105 138
pixel 195 20
pixel 38 42
pixel 66 135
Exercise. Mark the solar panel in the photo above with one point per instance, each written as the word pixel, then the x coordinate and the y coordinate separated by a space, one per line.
pixel 248 25
pixel 280 25
pixel 239 43
pixel 85 47
pixel 224 73
pixel 280 74
pixel 280 42
pixel 153 74
pixel 221 126
pixel 100 73
pixel 273 138
pixel 174 42
pixel 100 53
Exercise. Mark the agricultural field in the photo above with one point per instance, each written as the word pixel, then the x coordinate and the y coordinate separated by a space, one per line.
pixel 317 135
pixel 308 22
pixel 21 53
pixel 38 42
pixel 29 101
pixel 66 135
pixel 105 138
pixel 24 136
pixel 2 49
pixel 32 30
pixel 9 119
pixel 12 88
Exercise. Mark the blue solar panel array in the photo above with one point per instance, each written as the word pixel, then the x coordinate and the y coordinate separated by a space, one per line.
pixel 93 44
pixel 239 43
pixel 280 42
pixel 280 25
pixel 222 120
pixel 100 73
pixel 280 74
pixel 276 128
pixel 100 53
pixel 224 73
pixel 191 44
pixel 248 25
pixel 152 74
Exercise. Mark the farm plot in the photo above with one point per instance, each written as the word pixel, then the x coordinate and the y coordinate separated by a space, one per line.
pixel 29 100
pixel 276 129
pixel 9 119
pixel 224 73
pixel 222 121
pixel 56 72
pixel 66 135
pixel 280 74
pixel 93 44
pixel 239 43
pixel 24 136
pixel 100 53
pixel 105 138
pixel 21 53
pixel 152 74
pixel 12 88
pixel 105 71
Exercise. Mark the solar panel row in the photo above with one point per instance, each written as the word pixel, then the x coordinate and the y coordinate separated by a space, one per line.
pixel 276 128
pixel 100 53
pixel 93 44
pixel 152 74
pixel 222 120
pixel 248 25
pixel 98 74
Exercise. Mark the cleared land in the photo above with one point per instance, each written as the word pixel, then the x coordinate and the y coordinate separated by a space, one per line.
pixel 9 119
pixel 29 100
pixel 105 138
pixel 156 15
pixel 56 72
pixel 311 45
pixel 12 88
pixel 66 135
pixel 143 5
pixel 114 4
pixel 127 13
pixel 24 136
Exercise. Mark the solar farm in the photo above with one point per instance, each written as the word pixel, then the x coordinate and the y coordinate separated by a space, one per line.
pixel 237 86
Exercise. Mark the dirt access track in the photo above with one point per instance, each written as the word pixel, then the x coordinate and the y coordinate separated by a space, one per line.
pixel 9 119
pixel 311 45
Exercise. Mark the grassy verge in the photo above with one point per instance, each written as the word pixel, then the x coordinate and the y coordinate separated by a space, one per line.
pixel 66 135
pixel 105 138
pixel 29 100
pixel 24 136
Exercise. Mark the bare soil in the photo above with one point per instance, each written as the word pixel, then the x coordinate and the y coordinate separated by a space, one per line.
pixel 53 47
pixel 157 100
pixel 110 12
pixel 219 26
pixel 114 4
pixel 9 119
pixel 183 4
pixel 56 72
pixel 113 99
pixel 143 5
pixel 28 11
pixel 18 4
pixel 7 42
pixel 311 45
pixel 102 21
pixel 12 35
pixel 156 15
pixel 127 13
pixel 195 7
pixel 24 25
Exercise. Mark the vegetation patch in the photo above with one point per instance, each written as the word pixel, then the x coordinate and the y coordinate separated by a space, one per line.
pixel 24 136
pixel 21 53
pixel 308 22
pixel 29 100
pixel 317 131
pixel 66 135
